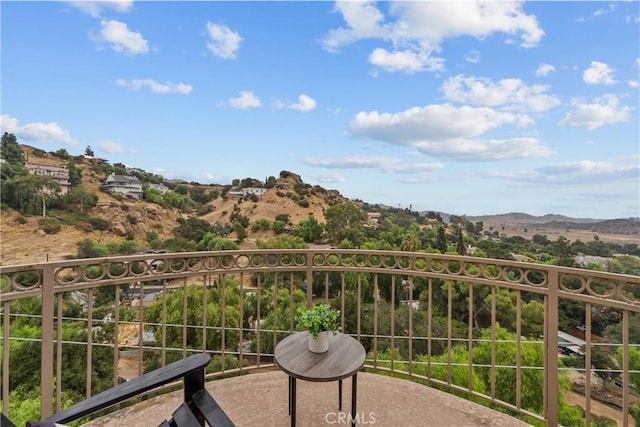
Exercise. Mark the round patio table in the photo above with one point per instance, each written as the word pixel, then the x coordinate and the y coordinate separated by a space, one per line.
pixel 344 359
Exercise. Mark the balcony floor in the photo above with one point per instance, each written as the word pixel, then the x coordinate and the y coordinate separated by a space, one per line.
pixel 260 399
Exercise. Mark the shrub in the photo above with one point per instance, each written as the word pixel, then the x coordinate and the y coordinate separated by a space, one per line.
pixel 49 225
pixel 150 236
pixel 84 226
pixel 278 226
pixel 99 224
pixel 283 217
pixel 21 220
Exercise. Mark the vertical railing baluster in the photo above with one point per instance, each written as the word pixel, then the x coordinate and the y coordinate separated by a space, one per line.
pixel 141 330
pixel 59 353
pixel 393 321
pixel 46 363
pixel 184 318
pixel 449 329
pixel 587 364
pixel 204 313
pixel 258 314
pixel 222 279
pixel 326 287
pixel 410 280
pixel 6 343
pixel 116 335
pixel 359 307
pixel 274 305
pixel 470 339
pixel 241 323
pixel 429 325
pixel 89 366
pixel 163 351
pixel 342 301
pixel 493 342
pixel 309 279
pixel 551 353
pixel 292 313
pixel 518 349
pixel 625 368
pixel 376 300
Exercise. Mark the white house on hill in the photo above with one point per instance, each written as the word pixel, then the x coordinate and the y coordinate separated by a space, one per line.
pixel 123 185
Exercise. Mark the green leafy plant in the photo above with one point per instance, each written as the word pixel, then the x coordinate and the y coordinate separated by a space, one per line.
pixel 319 318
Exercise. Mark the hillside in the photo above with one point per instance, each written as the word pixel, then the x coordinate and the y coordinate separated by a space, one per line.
pixel 22 241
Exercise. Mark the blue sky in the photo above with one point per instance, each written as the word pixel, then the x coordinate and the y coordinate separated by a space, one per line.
pixel 461 107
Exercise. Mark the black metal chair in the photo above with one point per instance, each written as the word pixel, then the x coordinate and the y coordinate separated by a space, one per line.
pixel 198 406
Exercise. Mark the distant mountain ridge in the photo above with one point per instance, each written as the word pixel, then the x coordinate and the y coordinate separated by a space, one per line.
pixel 628 226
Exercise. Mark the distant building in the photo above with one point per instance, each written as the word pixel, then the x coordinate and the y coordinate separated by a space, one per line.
pixel 123 185
pixel 374 217
pixel 253 190
pixel 160 187
pixel 569 344
pixel 58 173
pixel 244 192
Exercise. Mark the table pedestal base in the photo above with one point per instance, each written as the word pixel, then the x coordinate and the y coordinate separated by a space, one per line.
pixel 354 391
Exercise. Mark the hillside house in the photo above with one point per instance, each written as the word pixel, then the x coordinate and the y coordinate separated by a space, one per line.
pixel 373 217
pixel 160 187
pixel 244 192
pixel 123 185
pixel 58 173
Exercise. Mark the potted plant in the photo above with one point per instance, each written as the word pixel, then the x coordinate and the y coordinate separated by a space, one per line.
pixel 320 320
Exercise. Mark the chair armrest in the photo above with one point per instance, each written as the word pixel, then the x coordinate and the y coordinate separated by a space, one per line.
pixel 121 392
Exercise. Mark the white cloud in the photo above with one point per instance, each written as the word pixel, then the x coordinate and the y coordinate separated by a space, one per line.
pixel 155 87
pixel 473 57
pixel 511 93
pixel 95 8
pixel 329 177
pixel 305 103
pixel 384 164
pixel 122 39
pixel 576 173
pixel 598 73
pixel 598 12
pixel 407 61
pixel 603 111
pixel 416 30
pixel 223 42
pixel 634 84
pixel 246 100
pixel 544 70
pixel 40 132
pixel 111 147
pixel 446 131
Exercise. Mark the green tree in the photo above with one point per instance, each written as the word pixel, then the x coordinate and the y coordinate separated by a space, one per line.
pixel 211 242
pixel 345 221
pixel 278 226
pixel 33 192
pixel 282 242
pixel 89 151
pixel 75 173
pixel 310 230
pixel 10 150
pixel 561 248
pixel 441 240
pixel 198 304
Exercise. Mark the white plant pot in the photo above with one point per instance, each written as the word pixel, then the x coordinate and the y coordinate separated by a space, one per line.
pixel 320 344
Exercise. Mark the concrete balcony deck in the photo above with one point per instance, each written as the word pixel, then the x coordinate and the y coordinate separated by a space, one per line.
pixel 260 399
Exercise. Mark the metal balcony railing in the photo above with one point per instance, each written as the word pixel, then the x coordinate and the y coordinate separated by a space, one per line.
pixel 484 328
